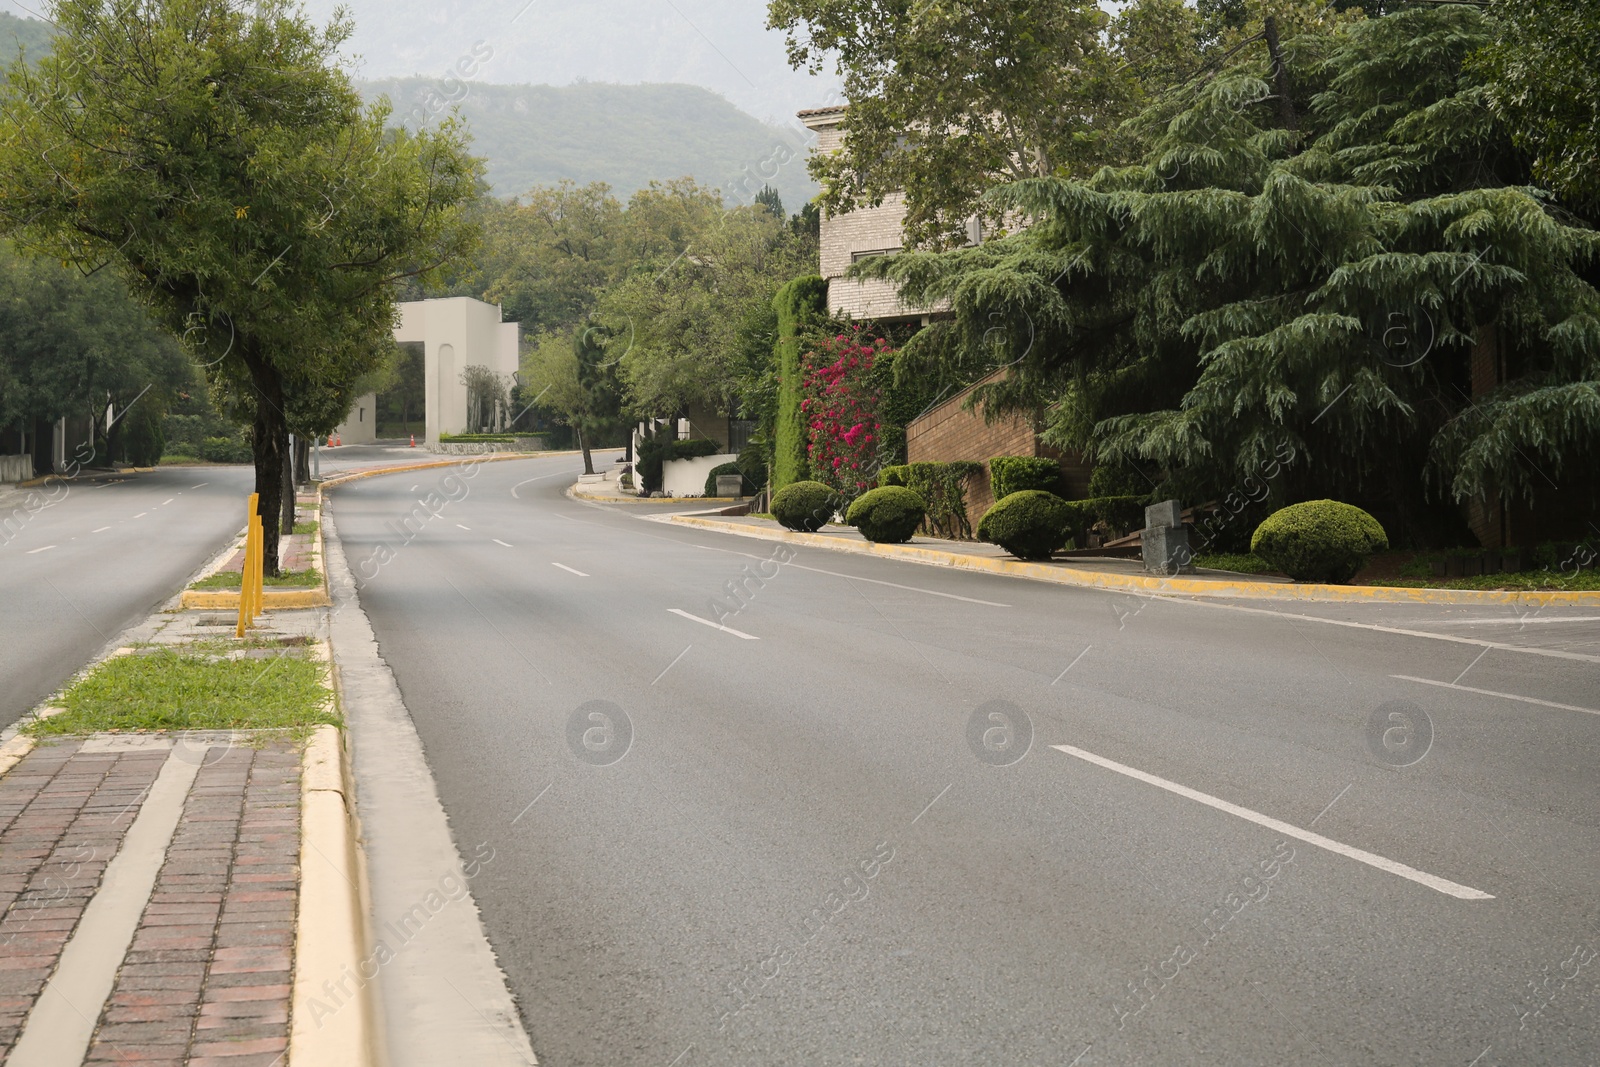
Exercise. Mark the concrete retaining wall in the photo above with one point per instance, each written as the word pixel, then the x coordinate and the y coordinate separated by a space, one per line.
pixel 687 477
pixel 16 468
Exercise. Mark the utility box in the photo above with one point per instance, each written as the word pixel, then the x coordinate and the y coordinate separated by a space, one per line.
pixel 731 485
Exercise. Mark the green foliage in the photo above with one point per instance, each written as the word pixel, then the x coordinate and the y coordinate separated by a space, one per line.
pixel 894 475
pixel 1544 85
pixel 138 437
pixel 216 155
pixel 33 37
pixel 805 506
pixel 306 579
pixel 752 463
pixel 225 450
pixel 888 515
pixel 1111 479
pixel 746 487
pixel 943 489
pixel 1012 474
pixel 1319 540
pixel 162 689
pixel 901 398
pixel 1253 291
pixel 1030 524
pixel 1238 562
pixel 472 438
pixel 1122 515
pixel 800 304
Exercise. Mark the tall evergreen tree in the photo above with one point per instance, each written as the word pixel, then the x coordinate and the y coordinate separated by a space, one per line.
pixel 1315 289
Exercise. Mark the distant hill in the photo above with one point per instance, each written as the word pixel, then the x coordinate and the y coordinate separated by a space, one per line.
pixel 626 135
pixel 30 34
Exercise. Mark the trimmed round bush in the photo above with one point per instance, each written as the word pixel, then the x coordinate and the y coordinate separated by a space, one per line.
pixel 726 468
pixel 805 506
pixel 889 514
pixel 1319 540
pixel 1030 524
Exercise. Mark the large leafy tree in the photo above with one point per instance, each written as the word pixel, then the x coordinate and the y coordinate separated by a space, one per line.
pixel 1317 289
pixel 549 254
pixel 1544 82
pixel 71 345
pixel 214 154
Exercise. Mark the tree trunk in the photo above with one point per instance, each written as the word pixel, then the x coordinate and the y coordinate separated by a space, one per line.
pixel 583 443
pixel 271 451
pixel 1280 77
pixel 287 517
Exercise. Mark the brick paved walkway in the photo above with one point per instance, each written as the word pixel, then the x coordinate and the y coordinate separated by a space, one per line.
pixel 206 979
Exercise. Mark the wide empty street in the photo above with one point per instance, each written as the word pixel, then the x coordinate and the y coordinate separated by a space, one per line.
pixel 753 803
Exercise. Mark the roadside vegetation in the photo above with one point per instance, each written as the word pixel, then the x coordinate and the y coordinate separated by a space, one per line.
pixel 217 684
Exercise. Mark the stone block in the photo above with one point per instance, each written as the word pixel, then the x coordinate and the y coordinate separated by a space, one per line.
pixel 730 485
pixel 1166 513
pixel 1166 550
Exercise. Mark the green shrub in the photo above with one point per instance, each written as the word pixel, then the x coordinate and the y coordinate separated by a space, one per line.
pixel 805 506
pixel 694 448
pixel 943 488
pixel 225 450
pixel 659 447
pixel 1319 540
pixel 801 303
pixel 1029 525
pixel 894 475
pixel 889 514
pixel 1013 474
pixel 727 468
pixel 1121 514
pixel 752 463
pixel 1110 480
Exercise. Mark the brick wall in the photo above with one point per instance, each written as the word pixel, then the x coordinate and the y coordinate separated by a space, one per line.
pixel 949 433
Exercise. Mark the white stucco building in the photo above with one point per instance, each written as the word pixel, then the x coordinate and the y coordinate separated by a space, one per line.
pixel 456 332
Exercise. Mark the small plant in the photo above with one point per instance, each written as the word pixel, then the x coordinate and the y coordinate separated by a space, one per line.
pixel 896 475
pixel 1013 474
pixel 1319 540
pixel 727 468
pixel 889 514
pixel 1029 525
pixel 805 506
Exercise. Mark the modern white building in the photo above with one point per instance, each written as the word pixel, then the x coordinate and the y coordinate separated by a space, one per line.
pixel 456 333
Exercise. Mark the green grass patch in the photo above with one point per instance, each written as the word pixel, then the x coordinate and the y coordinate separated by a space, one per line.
pixel 308 526
pixel 1238 562
pixel 306 579
pixel 195 688
pixel 1586 580
pixel 470 438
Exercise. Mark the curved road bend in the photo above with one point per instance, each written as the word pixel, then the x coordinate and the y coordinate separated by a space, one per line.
pixel 839 831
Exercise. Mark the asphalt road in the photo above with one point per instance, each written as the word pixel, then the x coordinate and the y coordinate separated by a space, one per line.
pixel 837 830
pixel 80 561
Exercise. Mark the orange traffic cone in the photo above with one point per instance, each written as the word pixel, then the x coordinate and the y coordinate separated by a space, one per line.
pixel 413 440
pixel 330 440
pixel 339 440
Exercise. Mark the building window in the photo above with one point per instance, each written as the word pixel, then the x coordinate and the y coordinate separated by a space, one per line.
pixel 739 433
pixel 857 257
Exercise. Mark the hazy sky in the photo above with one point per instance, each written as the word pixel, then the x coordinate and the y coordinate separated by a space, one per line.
pixel 721 44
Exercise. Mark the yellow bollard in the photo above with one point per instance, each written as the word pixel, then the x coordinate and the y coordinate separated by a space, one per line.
pixel 252 566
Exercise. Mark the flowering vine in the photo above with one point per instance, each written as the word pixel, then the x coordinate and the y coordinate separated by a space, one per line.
pixel 840 410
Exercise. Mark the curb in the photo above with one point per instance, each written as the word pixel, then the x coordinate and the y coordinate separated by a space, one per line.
pixel 1149 585
pixel 271 599
pixel 487 457
pixel 12 752
pixel 328 926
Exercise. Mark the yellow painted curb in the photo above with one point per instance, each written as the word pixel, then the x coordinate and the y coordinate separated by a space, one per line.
pixel 271 599
pixel 1150 585
pixel 331 1020
pixel 485 457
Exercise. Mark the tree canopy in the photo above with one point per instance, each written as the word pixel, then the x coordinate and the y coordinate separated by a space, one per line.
pixel 1316 289
pixel 214 154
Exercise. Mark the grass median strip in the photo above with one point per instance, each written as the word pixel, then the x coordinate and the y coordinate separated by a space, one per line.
pixel 306 579
pixel 209 685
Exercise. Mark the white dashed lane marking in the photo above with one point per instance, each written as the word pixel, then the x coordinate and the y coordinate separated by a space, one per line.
pixel 564 567
pixel 497 541
pixel 714 625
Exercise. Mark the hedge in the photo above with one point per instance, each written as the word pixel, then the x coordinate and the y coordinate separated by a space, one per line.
pixel 1319 540
pixel 889 514
pixel 1029 524
pixel 801 303
pixel 895 475
pixel 805 506
pixel 1122 514
pixel 727 468
pixel 659 448
pixel 1013 474
pixel 943 488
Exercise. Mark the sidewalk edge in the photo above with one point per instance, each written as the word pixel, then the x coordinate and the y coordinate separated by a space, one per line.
pixel 328 925
pixel 1147 585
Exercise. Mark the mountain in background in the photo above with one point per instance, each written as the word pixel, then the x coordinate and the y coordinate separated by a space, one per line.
pixel 723 45
pixel 625 135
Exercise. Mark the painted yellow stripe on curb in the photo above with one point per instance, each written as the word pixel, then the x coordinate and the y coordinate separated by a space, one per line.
pixel 279 599
pixel 1147 584
pixel 491 457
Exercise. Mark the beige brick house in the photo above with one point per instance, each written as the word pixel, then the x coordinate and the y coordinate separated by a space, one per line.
pixel 856 235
